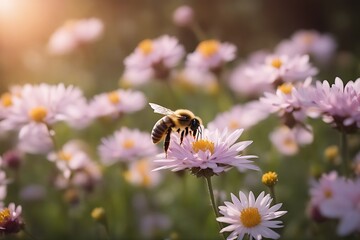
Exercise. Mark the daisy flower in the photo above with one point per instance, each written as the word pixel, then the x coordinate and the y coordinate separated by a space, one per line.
pixel 211 55
pixel 344 206
pixel 41 105
pixel 73 34
pixel 282 68
pixel 288 140
pixel 215 153
pixel 152 58
pixel 320 46
pixel 71 157
pixel 126 145
pixel 115 103
pixel 140 174
pixel 85 177
pixel 250 216
pixel 240 116
pixel 192 78
pixel 286 102
pixel 338 104
pixel 10 219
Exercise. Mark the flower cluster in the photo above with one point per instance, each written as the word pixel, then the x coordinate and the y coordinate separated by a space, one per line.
pixel 336 197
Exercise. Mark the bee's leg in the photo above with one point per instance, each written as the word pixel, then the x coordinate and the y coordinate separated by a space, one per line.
pixel 186 131
pixel 194 133
pixel 178 131
pixel 167 140
pixel 182 136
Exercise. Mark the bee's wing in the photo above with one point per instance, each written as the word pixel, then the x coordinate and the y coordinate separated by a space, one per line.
pixel 160 109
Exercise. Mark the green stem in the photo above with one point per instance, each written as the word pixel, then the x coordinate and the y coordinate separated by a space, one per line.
pixel 199 33
pixel 272 194
pixel 213 203
pixel 344 152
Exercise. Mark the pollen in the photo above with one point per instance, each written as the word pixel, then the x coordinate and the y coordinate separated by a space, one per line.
pixel 64 156
pixel 6 100
pixel 114 97
pixel 286 88
pixel 128 144
pixel 269 179
pixel 250 217
pixel 146 46
pixel 38 114
pixel 276 63
pixel 203 145
pixel 4 215
pixel 208 48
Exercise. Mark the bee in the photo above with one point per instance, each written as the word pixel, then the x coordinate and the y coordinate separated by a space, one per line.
pixel 181 121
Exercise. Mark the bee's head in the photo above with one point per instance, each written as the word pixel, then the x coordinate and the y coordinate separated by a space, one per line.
pixel 195 126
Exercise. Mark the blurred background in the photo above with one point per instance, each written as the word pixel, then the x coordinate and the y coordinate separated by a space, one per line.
pixel 26 26
pixel 25 30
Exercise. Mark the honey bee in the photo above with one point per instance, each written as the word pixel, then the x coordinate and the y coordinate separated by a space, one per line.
pixel 182 121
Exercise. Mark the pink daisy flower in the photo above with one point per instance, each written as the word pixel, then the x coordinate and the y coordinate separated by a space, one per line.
pixel 10 219
pixel 211 55
pixel 126 145
pixel 152 58
pixel 338 104
pixel 115 103
pixel 215 153
pixel 73 34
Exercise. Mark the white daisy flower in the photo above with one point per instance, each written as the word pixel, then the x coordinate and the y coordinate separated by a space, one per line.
pixel 215 153
pixel 211 55
pixel 126 145
pixel 115 103
pixel 250 216
pixel 73 34
pixel 152 58
pixel 240 116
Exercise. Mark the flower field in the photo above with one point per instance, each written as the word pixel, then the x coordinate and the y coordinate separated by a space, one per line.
pixel 179 120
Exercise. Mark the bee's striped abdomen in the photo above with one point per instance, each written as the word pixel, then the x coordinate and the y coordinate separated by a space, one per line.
pixel 160 128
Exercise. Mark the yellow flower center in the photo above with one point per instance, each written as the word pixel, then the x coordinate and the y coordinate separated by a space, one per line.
pixel 203 145
pixel 289 142
pixel 269 179
pixel 208 48
pixel 308 38
pixel 64 156
pixel 6 100
pixel 38 113
pixel 4 215
pixel 328 193
pixel 233 124
pixel 143 168
pixel 128 144
pixel 250 217
pixel 286 88
pixel 276 63
pixel 146 46
pixel 114 97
